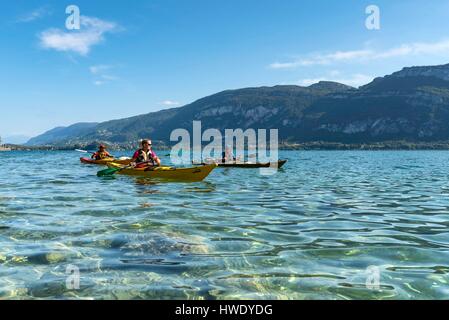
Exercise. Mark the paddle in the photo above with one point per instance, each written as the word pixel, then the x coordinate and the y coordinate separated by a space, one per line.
pixel 111 171
pixel 85 151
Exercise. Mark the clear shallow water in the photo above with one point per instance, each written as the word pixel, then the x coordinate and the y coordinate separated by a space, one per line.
pixel 309 232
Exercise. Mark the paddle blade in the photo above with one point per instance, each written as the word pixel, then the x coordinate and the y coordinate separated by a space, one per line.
pixel 107 172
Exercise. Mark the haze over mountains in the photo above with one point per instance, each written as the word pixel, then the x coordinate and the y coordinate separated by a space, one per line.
pixel 16 139
pixel 411 105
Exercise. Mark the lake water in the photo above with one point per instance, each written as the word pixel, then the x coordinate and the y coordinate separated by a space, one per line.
pixel 318 229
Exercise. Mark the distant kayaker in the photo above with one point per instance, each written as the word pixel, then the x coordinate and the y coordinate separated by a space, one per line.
pixel 101 153
pixel 227 156
pixel 146 154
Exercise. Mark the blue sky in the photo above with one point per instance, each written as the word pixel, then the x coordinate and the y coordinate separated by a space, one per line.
pixel 134 57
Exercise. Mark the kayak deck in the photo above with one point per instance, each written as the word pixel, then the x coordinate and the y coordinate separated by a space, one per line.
pixel 105 161
pixel 250 165
pixel 194 174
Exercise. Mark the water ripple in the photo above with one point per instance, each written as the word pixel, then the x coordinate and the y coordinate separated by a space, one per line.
pixel 308 232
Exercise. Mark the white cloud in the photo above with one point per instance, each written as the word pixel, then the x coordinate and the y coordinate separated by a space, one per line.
pixel 418 48
pixel 98 69
pixel 354 80
pixel 108 77
pixel 35 15
pixel 102 74
pixel 169 103
pixel 92 32
pixel 319 59
pixel 411 49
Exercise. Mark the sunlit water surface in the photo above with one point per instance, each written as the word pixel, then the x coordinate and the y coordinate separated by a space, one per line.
pixel 308 232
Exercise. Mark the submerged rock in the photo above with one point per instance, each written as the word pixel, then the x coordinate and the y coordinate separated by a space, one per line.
pixel 47 258
pixel 164 243
pixel 45 289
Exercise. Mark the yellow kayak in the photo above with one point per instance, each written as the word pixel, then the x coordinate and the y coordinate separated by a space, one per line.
pixel 194 174
pixel 105 161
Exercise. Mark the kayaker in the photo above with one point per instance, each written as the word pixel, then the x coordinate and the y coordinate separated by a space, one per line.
pixel 146 154
pixel 101 153
pixel 227 156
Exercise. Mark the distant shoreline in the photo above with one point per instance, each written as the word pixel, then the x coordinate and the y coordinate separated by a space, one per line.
pixel 308 146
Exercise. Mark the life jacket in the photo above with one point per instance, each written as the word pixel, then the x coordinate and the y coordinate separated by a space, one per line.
pixel 145 156
pixel 227 156
pixel 101 155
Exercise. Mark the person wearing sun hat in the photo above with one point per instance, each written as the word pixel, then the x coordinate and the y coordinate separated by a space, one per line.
pixel 101 153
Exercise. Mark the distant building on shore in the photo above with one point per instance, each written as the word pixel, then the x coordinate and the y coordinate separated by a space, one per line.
pixel 3 147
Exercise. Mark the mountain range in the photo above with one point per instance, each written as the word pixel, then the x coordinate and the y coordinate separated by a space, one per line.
pixel 408 105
